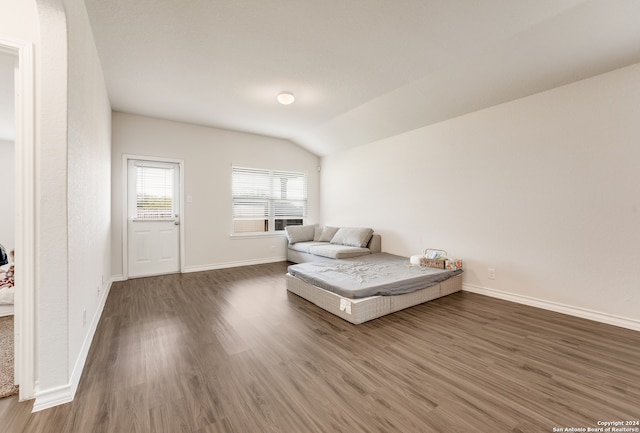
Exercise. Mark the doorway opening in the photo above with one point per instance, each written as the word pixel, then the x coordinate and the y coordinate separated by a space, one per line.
pixel 21 54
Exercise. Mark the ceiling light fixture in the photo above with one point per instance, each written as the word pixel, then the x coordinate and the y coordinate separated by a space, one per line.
pixel 286 98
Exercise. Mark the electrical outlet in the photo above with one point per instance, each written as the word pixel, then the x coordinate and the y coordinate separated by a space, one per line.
pixel 98 289
pixel 84 317
pixel 491 273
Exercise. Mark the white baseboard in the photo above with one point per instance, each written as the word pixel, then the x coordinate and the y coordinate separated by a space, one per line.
pixel 583 313
pixel 225 265
pixel 52 397
pixel 64 394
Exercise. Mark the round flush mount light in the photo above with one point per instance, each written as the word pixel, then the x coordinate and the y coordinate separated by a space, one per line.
pixel 286 98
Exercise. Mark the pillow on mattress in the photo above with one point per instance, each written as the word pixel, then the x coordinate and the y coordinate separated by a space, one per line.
pixel 299 233
pixel 352 236
pixel 327 234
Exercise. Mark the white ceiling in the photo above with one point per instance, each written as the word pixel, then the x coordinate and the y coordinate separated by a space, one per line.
pixel 361 70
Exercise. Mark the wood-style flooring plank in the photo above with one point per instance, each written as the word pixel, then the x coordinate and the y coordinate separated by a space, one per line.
pixel 231 351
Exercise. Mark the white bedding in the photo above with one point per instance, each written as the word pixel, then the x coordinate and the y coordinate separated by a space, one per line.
pixel 7 295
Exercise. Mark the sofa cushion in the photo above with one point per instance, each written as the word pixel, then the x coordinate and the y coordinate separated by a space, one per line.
pixel 299 233
pixel 317 232
pixel 352 236
pixel 305 246
pixel 333 251
pixel 327 234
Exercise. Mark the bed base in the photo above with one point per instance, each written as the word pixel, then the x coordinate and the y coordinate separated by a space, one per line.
pixel 6 310
pixel 361 310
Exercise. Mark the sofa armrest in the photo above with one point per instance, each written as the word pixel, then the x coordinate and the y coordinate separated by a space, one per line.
pixel 375 244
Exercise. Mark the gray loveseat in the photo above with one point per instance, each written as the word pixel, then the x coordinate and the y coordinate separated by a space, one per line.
pixel 310 243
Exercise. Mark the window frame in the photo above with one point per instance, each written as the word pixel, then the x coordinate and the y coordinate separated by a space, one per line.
pixel 271 200
pixel 168 172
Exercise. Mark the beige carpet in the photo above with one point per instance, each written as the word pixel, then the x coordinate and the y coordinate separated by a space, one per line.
pixel 7 387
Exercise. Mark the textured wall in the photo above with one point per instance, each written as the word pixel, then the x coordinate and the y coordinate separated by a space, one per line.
pixel 545 190
pixel 73 188
pixel 51 124
pixel 89 183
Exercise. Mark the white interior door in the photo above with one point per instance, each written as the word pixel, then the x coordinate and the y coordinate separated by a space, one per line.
pixel 153 218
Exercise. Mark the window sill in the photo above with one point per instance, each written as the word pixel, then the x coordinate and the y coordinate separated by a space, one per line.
pixel 153 220
pixel 257 235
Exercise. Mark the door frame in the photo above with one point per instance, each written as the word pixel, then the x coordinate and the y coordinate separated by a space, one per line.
pixel 26 180
pixel 125 185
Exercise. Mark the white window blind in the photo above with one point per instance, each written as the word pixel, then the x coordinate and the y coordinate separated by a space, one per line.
pixel 267 200
pixel 154 193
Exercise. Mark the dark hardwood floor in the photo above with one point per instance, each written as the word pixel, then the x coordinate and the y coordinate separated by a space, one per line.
pixel 232 351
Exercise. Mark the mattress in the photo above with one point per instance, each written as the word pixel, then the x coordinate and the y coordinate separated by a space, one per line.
pixel 380 274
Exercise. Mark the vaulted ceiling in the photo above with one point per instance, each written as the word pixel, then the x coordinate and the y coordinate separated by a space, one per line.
pixel 361 70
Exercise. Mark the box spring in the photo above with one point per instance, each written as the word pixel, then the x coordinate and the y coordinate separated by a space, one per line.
pixel 372 307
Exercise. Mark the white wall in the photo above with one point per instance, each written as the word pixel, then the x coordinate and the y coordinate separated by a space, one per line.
pixel 7 195
pixel 52 347
pixel 88 187
pixel 42 23
pixel 545 189
pixel 208 155
pixel 72 123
